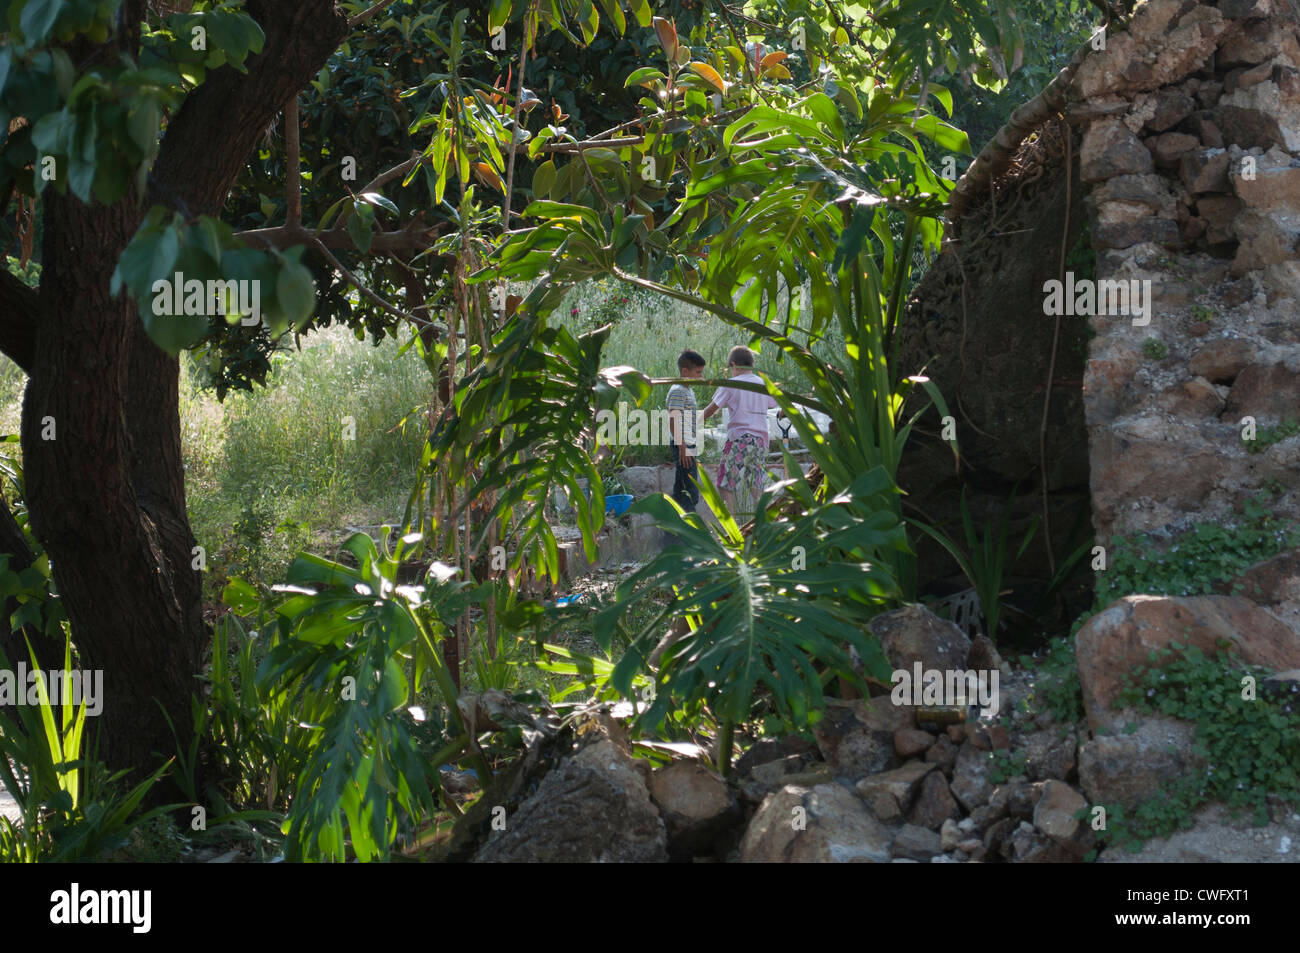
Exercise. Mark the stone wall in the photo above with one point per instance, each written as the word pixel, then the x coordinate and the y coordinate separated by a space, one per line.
pixel 1190 157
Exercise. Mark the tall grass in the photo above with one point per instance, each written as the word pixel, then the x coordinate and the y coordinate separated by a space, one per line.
pixel 333 440
pixel 269 472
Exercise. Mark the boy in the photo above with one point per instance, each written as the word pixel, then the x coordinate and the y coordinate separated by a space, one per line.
pixel 682 417
pixel 745 453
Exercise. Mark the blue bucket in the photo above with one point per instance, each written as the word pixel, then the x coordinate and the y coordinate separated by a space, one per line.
pixel 618 503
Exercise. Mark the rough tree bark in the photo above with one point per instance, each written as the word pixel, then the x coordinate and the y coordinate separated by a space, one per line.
pixel 106 495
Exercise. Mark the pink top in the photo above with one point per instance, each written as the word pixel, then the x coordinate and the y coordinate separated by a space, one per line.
pixel 748 411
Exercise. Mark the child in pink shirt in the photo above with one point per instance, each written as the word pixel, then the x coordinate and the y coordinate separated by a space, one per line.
pixel 745 453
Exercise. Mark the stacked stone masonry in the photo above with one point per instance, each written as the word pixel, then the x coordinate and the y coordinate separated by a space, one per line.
pixel 1191 159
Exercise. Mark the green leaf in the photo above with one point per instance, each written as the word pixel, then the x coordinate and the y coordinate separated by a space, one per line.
pixel 644 76
pixel 37 18
pixel 295 293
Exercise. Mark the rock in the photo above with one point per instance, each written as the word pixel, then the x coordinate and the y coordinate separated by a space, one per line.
pixel 1216 837
pixel 1156 51
pixel 1112 234
pixel 1219 212
pixel 997 835
pixel 1208 96
pixel 775 774
pixel 1169 147
pixel 1260 116
pixel 950 835
pixel 1265 391
pixel 1129 768
pixel 942 753
pixel 1050 756
pixel 971 845
pixel 1150 193
pixel 1021 797
pixel 823 824
pixel 884 806
pixel 857 737
pixel 1109 149
pixel 1054 814
pixel 911 741
pixel 1030 847
pixel 1270 581
pixel 1115 642
pixel 1170 107
pixel 1193 398
pixel 915 634
pixel 593 808
pixel 1257 43
pixel 970 778
pixel 1222 360
pixel 695 805
pixel 1272 185
pixel 956 734
pixel 902 784
pixel 1265 239
pixel 1204 170
pixel 934 803
pixel 917 843
pixel 1208 132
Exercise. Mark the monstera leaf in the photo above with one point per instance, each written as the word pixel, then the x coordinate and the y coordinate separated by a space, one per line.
pixel 774 612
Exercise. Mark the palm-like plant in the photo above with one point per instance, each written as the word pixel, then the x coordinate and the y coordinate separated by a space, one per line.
pixel 773 611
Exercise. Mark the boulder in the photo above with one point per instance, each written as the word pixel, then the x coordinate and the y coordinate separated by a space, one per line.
pixel 911 741
pixel 1115 642
pixel 901 785
pixel 943 753
pixel 1054 816
pixel 1028 846
pixel 856 737
pixel 695 804
pixel 934 804
pixel 1109 149
pixel 1049 755
pixel 1127 769
pixel 1268 392
pixel 915 634
pixel 1204 170
pixel 1169 147
pixel 1220 361
pixel 1264 115
pixel 593 808
pixel 917 843
pixel 1216 837
pixel 822 824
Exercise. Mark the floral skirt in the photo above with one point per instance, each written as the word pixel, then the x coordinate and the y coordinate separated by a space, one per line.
pixel 741 469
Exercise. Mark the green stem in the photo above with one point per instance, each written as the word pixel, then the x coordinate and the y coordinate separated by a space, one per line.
pixel 726 743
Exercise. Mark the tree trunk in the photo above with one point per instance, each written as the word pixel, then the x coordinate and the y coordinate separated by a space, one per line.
pixel 105 494
pixel 101 426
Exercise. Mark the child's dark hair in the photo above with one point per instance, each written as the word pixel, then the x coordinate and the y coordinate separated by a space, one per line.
pixel 741 355
pixel 689 358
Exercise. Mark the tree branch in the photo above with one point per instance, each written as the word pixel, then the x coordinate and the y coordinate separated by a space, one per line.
pixel 412 238
pixel 365 15
pixel 19 308
pixel 196 169
pixel 366 292
pixel 292 164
